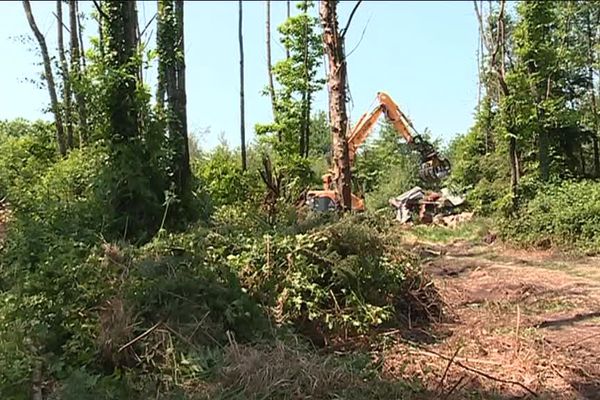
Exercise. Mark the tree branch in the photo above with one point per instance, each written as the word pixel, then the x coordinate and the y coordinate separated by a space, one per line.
pixel 481 31
pixel 62 23
pixel 343 32
pixel 147 25
pixel 99 9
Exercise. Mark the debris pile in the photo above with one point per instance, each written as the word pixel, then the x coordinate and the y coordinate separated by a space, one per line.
pixel 428 207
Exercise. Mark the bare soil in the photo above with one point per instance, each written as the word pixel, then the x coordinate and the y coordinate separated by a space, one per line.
pixel 521 324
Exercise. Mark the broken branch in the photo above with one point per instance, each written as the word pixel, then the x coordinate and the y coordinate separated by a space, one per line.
pixel 343 32
pixel 140 337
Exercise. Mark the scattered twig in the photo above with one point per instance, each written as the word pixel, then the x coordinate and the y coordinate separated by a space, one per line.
pixel 474 370
pixel 453 388
pixel 580 340
pixel 198 326
pixel 143 335
pixel 517 337
pixel 187 341
pixel 441 383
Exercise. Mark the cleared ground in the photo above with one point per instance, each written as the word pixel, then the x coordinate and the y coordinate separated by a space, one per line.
pixel 521 324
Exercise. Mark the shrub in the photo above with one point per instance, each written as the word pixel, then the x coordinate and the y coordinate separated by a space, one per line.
pixel 565 214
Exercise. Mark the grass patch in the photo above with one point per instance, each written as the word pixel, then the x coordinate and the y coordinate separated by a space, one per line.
pixel 551 305
pixel 472 231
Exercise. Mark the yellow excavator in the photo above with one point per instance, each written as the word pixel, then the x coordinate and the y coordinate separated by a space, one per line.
pixel 433 167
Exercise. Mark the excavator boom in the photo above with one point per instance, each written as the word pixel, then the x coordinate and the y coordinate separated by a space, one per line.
pixel 433 167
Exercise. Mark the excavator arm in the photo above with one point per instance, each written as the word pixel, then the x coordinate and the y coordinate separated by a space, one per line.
pixel 433 167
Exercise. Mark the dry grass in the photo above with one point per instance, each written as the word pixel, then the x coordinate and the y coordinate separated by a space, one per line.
pixel 284 371
pixel 116 329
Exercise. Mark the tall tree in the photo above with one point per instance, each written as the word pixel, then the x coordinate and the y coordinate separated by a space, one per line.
pixel 66 79
pixel 269 62
pixel 538 57
pixel 121 46
pixel 298 78
pixel 242 106
pixel 334 48
pixel 49 77
pixel 76 58
pixel 592 21
pixel 185 172
pixel 494 38
pixel 288 15
pixel 171 82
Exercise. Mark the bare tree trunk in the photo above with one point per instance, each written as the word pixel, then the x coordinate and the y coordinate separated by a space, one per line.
pixel 80 33
pixel 100 31
pixel 60 133
pixel 334 48
pixel 269 61
pixel 162 67
pixel 65 75
pixel 288 14
pixel 76 73
pixel 591 61
pixel 242 110
pixel 306 96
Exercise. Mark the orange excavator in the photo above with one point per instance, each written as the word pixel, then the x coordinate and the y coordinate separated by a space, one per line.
pixel 433 167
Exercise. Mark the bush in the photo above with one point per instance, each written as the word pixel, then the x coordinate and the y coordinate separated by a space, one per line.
pixel 343 277
pixel 24 157
pixel 565 214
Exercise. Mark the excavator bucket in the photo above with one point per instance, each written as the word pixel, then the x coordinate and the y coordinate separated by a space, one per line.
pixel 434 169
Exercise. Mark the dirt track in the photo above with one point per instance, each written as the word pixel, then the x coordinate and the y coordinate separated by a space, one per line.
pixel 530 321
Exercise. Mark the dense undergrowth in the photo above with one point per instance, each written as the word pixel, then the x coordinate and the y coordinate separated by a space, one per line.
pixel 564 215
pixel 183 313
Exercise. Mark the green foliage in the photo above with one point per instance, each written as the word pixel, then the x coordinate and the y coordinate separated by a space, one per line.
pixel 386 168
pixel 340 277
pixel 564 214
pixel 548 59
pixel 26 150
pixel 224 180
pixel 298 80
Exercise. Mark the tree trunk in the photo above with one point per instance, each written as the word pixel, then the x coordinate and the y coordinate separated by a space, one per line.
pixel 171 81
pixel 65 75
pixel 60 133
pixel 161 47
pixel 120 51
pixel 594 104
pixel 334 48
pixel 544 149
pixel 269 61
pixel 100 32
pixel 80 33
pixel 304 135
pixel 76 73
pixel 184 150
pixel 288 14
pixel 242 111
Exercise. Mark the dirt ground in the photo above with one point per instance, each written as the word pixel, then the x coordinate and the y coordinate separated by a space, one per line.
pixel 521 324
